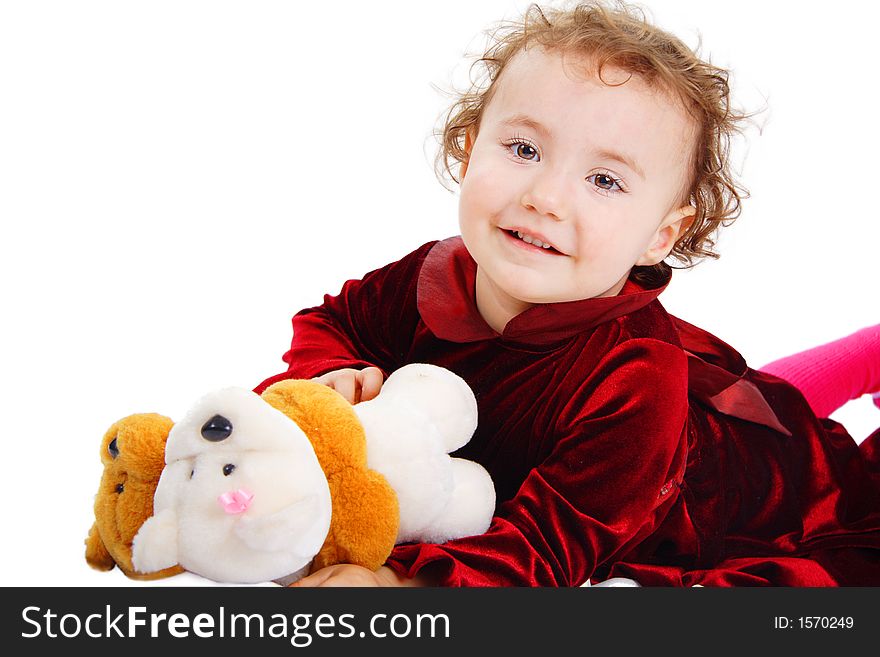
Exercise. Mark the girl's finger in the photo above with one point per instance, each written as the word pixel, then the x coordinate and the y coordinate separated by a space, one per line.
pixel 344 384
pixel 313 580
pixel 371 380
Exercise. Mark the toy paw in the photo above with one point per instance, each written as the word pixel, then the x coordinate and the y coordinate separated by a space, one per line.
pixel 469 508
pixel 292 528
pixel 155 546
pixel 442 398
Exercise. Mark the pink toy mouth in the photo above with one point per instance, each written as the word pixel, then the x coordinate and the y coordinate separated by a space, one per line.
pixel 236 501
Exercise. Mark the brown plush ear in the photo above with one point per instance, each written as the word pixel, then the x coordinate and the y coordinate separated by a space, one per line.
pixel 133 454
pixel 365 516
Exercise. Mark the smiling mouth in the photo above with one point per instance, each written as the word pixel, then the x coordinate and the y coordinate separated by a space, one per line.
pixel 532 243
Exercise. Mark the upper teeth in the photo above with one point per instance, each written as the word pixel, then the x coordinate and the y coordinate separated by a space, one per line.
pixel 532 240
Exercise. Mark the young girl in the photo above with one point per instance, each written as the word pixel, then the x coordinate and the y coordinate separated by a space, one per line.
pixel 622 441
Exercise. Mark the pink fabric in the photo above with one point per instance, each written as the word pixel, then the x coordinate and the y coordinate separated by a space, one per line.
pixel 834 373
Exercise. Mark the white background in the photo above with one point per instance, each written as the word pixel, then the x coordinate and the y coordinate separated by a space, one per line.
pixel 178 178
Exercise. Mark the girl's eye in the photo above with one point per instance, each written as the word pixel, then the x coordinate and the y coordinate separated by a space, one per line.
pixel 606 182
pixel 524 151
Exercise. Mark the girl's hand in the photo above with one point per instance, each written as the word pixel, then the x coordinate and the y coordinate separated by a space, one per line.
pixel 355 385
pixel 343 574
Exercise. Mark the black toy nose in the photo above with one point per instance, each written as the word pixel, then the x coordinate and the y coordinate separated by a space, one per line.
pixel 216 429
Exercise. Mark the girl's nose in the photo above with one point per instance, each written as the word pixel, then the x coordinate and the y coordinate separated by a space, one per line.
pixel 546 195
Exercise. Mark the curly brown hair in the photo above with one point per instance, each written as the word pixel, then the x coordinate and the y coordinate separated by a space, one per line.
pixel 619 35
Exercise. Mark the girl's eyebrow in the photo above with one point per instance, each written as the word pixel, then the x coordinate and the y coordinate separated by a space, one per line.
pixel 605 153
pixel 528 122
pixel 623 159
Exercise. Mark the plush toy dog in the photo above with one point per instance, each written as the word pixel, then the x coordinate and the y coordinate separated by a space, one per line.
pixel 263 488
pixel 133 454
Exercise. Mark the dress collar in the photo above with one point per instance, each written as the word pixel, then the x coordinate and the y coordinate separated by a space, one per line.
pixel 447 304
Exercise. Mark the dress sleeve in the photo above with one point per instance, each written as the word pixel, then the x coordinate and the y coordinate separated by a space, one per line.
pixel 610 479
pixel 369 323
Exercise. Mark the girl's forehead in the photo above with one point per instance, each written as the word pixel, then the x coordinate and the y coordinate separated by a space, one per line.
pixel 536 74
pixel 564 95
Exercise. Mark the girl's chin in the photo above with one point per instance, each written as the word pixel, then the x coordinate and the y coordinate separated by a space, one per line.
pixel 534 295
pixel 530 295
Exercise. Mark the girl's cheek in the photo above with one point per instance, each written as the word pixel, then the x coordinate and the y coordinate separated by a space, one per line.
pixel 494 193
pixel 473 200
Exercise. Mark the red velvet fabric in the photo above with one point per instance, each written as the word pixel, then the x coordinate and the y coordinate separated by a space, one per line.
pixel 621 440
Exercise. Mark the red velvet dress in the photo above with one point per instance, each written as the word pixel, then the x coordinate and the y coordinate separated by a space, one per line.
pixel 621 440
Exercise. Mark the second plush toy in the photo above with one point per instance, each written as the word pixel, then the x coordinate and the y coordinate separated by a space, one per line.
pixel 132 453
pixel 265 488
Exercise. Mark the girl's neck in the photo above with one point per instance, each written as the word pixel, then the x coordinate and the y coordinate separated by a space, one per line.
pixel 496 307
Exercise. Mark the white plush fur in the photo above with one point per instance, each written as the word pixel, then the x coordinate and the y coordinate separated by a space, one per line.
pixel 615 582
pixel 423 413
pixel 443 398
pixel 469 508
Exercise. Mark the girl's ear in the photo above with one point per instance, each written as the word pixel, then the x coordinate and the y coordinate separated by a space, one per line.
pixel 674 225
pixel 469 138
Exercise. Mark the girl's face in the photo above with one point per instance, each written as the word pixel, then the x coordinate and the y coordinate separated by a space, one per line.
pixel 571 182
